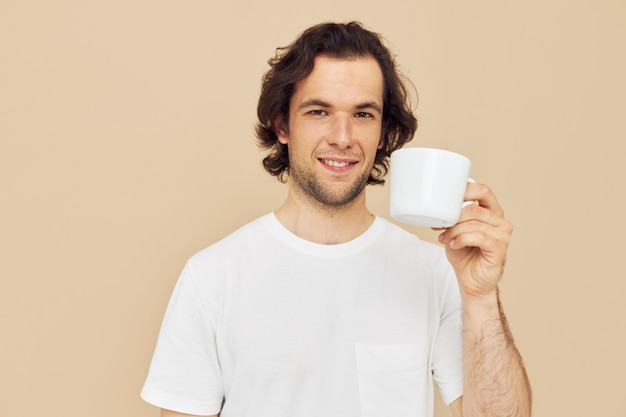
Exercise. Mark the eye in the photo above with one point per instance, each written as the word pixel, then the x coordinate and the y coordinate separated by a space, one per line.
pixel 317 112
pixel 364 115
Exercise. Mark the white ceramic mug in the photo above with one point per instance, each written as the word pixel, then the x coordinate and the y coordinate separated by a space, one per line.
pixel 427 186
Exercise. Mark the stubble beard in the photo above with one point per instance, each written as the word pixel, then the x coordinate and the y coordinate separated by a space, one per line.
pixel 331 196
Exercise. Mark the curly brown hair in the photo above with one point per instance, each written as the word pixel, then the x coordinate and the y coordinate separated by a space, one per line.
pixel 295 62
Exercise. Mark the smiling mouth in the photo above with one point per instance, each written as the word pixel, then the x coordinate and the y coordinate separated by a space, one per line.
pixel 336 164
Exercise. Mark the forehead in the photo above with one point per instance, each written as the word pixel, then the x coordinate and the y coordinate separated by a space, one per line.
pixel 359 79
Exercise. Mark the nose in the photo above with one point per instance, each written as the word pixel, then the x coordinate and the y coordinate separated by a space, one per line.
pixel 341 134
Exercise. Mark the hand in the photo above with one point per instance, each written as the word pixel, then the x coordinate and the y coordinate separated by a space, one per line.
pixel 476 246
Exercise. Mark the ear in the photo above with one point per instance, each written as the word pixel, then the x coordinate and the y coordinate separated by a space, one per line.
pixel 282 131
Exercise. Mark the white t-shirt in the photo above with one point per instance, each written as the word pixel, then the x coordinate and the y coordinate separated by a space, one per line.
pixel 264 323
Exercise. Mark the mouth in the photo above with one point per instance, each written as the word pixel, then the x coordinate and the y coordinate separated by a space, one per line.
pixel 336 164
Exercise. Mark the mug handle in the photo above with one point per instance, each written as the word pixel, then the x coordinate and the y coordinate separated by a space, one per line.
pixel 469 202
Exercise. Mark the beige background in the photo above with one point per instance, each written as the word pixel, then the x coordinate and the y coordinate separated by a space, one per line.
pixel 126 144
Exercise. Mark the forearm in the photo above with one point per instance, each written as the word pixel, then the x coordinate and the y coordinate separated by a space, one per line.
pixel 495 380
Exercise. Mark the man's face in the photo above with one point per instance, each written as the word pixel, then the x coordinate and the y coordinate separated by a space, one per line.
pixel 335 122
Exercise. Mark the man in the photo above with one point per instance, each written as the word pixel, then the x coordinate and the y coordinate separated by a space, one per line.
pixel 322 308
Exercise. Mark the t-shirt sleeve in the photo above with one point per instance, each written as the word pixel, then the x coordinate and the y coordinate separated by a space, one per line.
pixel 185 374
pixel 447 358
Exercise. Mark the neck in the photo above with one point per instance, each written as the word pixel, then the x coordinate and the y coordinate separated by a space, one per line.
pixel 325 224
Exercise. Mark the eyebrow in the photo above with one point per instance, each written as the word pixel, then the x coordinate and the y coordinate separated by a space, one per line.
pixel 314 102
pixel 370 105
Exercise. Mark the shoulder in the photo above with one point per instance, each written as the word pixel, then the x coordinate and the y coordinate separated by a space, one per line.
pixel 247 235
pixel 229 253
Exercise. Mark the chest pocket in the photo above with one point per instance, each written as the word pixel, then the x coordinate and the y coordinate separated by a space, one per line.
pixel 394 380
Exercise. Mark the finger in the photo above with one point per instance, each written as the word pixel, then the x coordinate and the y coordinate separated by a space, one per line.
pixel 487 242
pixel 496 227
pixel 475 212
pixel 484 195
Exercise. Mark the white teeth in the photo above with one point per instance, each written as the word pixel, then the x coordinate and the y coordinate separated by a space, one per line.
pixel 336 163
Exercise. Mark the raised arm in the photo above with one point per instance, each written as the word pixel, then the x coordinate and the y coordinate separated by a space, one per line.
pixel 495 381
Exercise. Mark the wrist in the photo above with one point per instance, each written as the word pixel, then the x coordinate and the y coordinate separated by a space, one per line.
pixel 481 306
